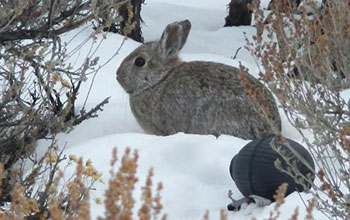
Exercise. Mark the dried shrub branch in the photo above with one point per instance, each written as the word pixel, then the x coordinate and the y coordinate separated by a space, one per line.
pixel 306 63
pixel 119 199
pixel 48 193
pixel 39 86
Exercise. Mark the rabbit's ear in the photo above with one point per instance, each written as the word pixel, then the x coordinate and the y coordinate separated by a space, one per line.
pixel 174 38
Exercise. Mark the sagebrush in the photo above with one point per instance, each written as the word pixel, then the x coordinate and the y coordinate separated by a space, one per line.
pixel 305 60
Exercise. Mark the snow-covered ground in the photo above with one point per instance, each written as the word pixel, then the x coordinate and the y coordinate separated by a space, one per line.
pixel 192 168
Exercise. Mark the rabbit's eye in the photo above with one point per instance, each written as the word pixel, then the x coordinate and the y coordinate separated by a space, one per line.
pixel 140 61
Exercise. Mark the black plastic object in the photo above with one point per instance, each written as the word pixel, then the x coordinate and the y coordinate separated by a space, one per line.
pixel 254 172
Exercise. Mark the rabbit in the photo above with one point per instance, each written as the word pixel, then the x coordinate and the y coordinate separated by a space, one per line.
pixel 169 96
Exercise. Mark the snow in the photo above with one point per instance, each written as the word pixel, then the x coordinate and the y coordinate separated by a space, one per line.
pixel 192 168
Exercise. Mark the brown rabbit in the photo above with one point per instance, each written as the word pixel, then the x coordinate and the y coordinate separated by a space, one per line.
pixel 169 96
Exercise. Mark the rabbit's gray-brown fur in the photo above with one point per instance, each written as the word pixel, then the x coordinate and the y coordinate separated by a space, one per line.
pixel 169 96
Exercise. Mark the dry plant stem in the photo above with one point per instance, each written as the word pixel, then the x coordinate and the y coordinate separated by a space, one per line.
pixel 34 202
pixel 39 87
pixel 100 67
pixel 119 200
pixel 62 16
pixel 279 197
pixel 206 215
pixel 223 215
pixel 56 197
pixel 38 92
pixel 306 62
pixel 295 214
pixel 258 98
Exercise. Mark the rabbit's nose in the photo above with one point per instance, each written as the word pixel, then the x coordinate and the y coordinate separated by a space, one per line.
pixel 119 73
pixel 118 76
